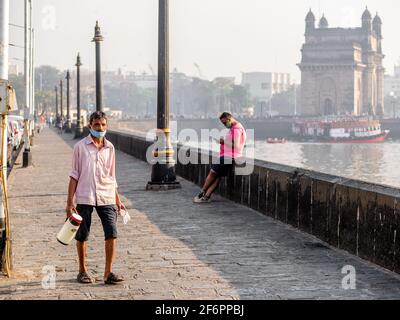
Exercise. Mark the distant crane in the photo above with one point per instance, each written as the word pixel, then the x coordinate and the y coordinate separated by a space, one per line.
pixel 152 70
pixel 201 75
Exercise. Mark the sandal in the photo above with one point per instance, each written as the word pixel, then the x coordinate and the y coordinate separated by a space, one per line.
pixel 113 279
pixel 84 278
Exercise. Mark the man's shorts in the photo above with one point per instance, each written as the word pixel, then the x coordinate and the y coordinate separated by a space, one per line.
pixel 108 217
pixel 223 168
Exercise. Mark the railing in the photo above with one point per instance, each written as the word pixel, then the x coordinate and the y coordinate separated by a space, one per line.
pixel 359 217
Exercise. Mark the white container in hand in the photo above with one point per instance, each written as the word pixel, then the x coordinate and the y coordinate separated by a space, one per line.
pixel 69 230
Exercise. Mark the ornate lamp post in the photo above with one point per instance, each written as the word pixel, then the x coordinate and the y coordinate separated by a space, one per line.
pixel 98 38
pixel 56 91
pixel 61 99
pixel 163 171
pixel 79 127
pixel 68 129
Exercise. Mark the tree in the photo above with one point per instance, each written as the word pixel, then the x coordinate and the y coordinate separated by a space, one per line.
pixel 284 102
pixel 18 83
pixel 240 98
pixel 46 77
pixel 203 98
pixel 45 101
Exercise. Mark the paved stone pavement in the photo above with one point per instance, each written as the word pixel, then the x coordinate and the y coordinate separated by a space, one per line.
pixel 171 249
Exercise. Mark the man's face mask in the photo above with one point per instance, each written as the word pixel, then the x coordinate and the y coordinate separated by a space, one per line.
pixel 228 124
pixel 98 134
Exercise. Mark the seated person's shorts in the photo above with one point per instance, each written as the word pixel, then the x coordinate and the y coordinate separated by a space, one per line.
pixel 224 167
pixel 107 215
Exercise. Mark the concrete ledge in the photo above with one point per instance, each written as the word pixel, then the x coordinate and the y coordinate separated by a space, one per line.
pixel 361 218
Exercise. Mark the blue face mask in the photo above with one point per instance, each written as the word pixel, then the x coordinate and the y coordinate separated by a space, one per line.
pixel 98 134
pixel 228 124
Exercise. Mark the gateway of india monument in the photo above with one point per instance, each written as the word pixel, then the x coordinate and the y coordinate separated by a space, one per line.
pixel 341 69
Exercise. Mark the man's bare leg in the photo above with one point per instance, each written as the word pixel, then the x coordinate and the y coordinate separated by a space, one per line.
pixel 110 256
pixel 212 176
pixel 212 188
pixel 81 247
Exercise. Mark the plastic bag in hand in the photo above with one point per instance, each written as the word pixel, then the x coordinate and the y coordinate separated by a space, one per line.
pixel 125 216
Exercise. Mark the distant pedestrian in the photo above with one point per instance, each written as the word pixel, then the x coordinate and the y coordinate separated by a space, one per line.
pixel 231 148
pixel 94 186
pixel 60 124
pixel 42 122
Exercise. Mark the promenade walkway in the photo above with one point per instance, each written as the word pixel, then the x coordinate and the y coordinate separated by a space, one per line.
pixel 171 249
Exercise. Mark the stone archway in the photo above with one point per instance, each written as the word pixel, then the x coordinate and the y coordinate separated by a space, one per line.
pixel 328 97
pixel 328 107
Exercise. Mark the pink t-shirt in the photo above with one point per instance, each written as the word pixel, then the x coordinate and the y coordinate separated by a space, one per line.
pixel 235 136
pixel 95 172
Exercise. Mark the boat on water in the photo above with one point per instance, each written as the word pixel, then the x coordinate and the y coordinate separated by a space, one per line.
pixel 341 130
pixel 276 141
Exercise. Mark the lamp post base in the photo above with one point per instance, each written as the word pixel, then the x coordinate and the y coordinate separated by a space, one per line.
pixel 79 133
pixel 68 128
pixel 163 176
pixel 27 159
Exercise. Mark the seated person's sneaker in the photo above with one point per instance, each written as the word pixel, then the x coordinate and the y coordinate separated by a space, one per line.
pixel 198 198
pixel 205 199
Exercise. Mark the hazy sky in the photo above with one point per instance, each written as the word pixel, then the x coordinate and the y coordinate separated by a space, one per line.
pixel 224 37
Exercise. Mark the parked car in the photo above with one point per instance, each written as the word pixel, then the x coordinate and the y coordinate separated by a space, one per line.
pixel 13 134
pixel 10 148
pixel 16 125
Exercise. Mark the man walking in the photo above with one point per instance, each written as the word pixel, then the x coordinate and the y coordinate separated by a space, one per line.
pixel 231 148
pixel 94 186
pixel 59 124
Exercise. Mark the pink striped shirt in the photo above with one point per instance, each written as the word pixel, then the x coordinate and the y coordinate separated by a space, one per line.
pixel 94 170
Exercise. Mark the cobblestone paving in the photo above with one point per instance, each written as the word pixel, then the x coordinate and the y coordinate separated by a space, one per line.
pixel 171 249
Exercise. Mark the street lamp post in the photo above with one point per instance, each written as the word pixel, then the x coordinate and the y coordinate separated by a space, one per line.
pixel 27 57
pixel 98 38
pixel 27 156
pixel 33 108
pixel 5 232
pixel 79 127
pixel 68 129
pixel 61 100
pixel 56 92
pixel 31 75
pixel 295 99
pixel 394 97
pixel 163 171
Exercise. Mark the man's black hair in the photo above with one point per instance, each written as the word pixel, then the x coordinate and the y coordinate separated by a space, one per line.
pixel 226 115
pixel 97 115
